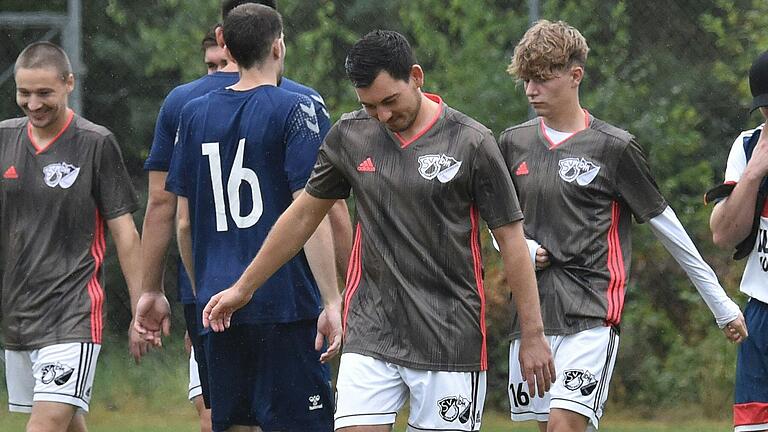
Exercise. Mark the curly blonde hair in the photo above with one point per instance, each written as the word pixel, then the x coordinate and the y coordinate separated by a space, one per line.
pixel 546 49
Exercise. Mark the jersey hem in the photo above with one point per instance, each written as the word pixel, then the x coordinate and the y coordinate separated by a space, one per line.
pixel 566 331
pixel 46 343
pixel 471 367
pixel 119 212
pixel 502 222
pixel 317 194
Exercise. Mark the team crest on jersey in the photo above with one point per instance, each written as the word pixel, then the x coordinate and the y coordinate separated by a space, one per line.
pixel 579 169
pixel 57 373
pixel 442 166
pixel 60 174
pixel 455 407
pixel 582 380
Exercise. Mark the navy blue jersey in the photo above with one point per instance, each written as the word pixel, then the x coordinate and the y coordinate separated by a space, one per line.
pixel 168 123
pixel 240 156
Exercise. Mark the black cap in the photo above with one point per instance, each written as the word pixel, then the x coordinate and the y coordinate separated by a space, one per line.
pixel 758 82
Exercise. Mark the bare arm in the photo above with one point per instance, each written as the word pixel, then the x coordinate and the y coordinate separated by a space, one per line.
pixel 153 311
pixel 287 237
pixel 535 356
pixel 128 246
pixel 341 226
pixel 184 238
pixel 319 250
pixel 157 231
pixel 729 223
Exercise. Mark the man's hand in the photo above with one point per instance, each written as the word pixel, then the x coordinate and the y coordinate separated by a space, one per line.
pixel 153 316
pixel 136 344
pixel 542 259
pixel 736 330
pixel 329 329
pixel 537 364
pixel 218 312
pixel 758 163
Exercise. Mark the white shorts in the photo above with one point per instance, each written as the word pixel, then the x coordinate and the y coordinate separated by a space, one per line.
pixel 195 388
pixel 56 373
pixel 584 362
pixel 371 392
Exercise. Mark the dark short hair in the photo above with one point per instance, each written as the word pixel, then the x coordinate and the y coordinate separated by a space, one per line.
pixel 249 31
pixel 40 55
pixel 379 50
pixel 228 5
pixel 209 40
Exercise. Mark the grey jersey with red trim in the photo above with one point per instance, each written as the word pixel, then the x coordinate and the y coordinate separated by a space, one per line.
pixel 414 292
pixel 577 198
pixel 53 204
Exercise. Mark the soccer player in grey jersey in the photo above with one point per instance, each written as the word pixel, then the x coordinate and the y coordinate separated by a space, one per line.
pixel 63 184
pixel 591 178
pixel 414 320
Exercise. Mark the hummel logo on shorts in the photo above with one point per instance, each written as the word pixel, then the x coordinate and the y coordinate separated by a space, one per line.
pixel 366 166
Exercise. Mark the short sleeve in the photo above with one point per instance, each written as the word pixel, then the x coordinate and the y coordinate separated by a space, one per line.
pixel 302 143
pixel 492 187
pixel 176 181
pixel 114 192
pixel 636 186
pixel 327 180
pixel 165 136
pixel 737 161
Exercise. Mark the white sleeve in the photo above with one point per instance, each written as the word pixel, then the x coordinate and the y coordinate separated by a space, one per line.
pixel 672 235
pixel 532 247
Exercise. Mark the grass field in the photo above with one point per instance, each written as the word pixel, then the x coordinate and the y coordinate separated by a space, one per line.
pixel 181 419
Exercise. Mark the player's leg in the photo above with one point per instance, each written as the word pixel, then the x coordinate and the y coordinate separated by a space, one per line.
pixel 198 373
pixel 584 362
pixel 445 400
pixel 751 401
pixel 523 405
pixel 77 424
pixel 52 417
pixel 61 380
pixel 369 392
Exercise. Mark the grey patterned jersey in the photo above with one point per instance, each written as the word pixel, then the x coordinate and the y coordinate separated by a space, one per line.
pixel 414 292
pixel 53 204
pixel 577 198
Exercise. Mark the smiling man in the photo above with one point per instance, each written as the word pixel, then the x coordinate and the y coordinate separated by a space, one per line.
pixel 63 179
pixel 414 319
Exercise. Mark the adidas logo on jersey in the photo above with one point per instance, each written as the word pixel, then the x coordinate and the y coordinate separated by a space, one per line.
pixel 579 169
pixel 441 166
pixel 60 174
pixel 366 166
pixel 11 173
pixel 522 169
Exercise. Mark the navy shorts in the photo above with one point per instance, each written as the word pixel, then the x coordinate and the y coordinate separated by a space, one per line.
pixel 192 320
pixel 750 410
pixel 268 375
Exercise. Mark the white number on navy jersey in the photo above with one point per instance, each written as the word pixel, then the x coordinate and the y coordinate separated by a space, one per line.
pixel 237 175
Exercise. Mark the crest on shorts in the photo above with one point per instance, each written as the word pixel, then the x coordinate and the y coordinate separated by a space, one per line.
pixel 314 403
pixel 60 174
pixel 442 166
pixel 579 169
pixel 57 373
pixel 455 407
pixel 582 380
